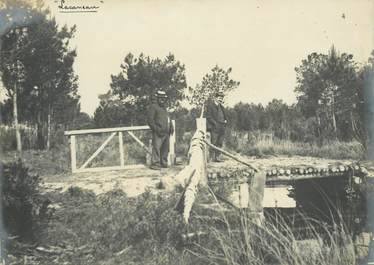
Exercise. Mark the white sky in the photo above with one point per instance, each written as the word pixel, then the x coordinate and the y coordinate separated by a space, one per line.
pixel 263 41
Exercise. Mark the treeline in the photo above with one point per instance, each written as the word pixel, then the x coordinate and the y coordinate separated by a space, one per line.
pixel 36 70
pixel 334 99
pixel 334 93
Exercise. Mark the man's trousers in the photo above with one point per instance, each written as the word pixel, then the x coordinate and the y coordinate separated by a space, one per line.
pixel 216 138
pixel 160 149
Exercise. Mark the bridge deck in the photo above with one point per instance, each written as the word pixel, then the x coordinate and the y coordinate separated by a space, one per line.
pixel 135 181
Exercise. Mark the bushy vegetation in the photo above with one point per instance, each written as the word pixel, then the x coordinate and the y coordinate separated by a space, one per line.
pixel 24 209
pixel 112 229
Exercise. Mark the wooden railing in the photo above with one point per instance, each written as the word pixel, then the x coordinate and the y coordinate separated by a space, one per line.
pixel 113 132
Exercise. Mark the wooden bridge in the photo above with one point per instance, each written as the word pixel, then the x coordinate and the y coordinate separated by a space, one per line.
pixel 249 180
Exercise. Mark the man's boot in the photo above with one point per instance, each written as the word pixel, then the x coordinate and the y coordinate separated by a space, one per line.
pixel 218 159
pixel 155 167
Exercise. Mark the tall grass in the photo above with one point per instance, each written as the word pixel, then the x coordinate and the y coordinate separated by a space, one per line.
pixel 332 150
pixel 246 241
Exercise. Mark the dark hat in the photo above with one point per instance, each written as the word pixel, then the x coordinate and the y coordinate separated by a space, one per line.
pixel 219 93
pixel 161 94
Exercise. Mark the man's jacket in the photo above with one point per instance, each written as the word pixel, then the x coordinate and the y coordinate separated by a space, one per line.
pixel 215 116
pixel 159 121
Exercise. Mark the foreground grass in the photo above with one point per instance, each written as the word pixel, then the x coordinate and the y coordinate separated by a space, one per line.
pixel 114 229
pixel 249 242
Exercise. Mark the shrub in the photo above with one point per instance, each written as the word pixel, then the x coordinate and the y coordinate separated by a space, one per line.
pixel 112 228
pixel 8 138
pixel 24 209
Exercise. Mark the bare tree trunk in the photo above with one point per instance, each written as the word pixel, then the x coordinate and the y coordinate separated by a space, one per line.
pixel 334 121
pixel 15 116
pixel 49 129
pixel 352 123
pixel 40 131
pixel 202 111
pixel 333 115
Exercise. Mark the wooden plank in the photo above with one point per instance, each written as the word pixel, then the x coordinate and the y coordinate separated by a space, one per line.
pixel 293 178
pixel 99 169
pixel 243 195
pixel 107 130
pixel 256 192
pixel 98 150
pixel 73 153
pixel 171 155
pixel 138 141
pixel 121 153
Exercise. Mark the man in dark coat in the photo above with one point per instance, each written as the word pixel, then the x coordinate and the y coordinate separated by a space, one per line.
pixel 216 123
pixel 162 128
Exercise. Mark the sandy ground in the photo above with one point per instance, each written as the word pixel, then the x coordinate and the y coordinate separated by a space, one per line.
pixel 132 181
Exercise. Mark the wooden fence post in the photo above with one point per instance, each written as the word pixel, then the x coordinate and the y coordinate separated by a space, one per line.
pixel 73 154
pixel 208 152
pixel 121 153
pixel 148 156
pixel 171 155
pixel 256 193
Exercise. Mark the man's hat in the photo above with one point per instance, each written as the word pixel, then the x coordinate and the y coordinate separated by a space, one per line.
pixel 161 94
pixel 219 93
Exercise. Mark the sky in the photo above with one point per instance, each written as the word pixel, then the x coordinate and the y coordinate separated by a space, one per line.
pixel 263 41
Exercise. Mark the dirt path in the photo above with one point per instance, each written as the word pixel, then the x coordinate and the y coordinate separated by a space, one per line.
pixel 133 181
pixel 136 181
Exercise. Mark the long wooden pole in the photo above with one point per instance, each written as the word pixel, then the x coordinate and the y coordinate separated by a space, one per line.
pixel 230 155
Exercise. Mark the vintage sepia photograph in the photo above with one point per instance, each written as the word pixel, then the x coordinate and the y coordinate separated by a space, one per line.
pixel 187 132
